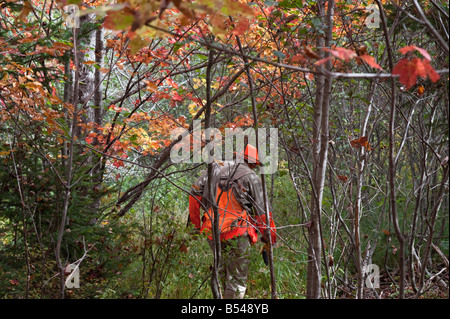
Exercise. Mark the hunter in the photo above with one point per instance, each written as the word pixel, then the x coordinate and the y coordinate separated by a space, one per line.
pixel 240 203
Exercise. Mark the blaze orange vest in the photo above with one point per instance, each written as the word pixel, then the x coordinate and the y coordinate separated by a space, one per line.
pixel 233 219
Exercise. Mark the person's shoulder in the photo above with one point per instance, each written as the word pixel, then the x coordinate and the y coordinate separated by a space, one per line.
pixel 245 172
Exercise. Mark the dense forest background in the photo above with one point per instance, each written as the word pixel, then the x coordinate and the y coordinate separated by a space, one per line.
pixel 90 92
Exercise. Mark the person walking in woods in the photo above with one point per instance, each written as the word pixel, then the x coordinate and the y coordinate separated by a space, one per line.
pixel 240 203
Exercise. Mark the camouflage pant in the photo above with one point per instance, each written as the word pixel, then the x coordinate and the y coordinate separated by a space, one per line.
pixel 234 264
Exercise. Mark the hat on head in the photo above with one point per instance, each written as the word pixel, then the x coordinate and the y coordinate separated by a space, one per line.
pixel 250 155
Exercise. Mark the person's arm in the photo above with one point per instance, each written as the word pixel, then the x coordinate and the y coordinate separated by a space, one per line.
pixel 195 200
pixel 194 210
pixel 257 199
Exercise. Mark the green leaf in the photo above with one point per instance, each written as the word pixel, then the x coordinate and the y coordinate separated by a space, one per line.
pixel 270 3
pixel 118 20
pixel 289 4
pixel 279 54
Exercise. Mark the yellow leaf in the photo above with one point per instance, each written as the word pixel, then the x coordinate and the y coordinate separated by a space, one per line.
pixel 151 86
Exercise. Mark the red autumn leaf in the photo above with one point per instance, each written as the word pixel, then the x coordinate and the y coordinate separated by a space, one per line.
pixel 100 139
pixel 241 26
pixel 183 248
pixel 409 48
pixel 429 70
pixel 177 97
pixel 14 282
pixel 409 70
pixel 342 53
pixel 370 60
pixel 118 163
pixel 361 142
pixel 300 58
pixel 322 61
pixel 172 83
pixel 309 52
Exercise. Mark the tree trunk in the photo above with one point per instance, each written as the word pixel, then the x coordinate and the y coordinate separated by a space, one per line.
pixel 215 283
pixel 320 141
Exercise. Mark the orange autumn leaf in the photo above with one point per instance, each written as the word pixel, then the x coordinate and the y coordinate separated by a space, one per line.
pixel 309 52
pixel 104 70
pixel 361 142
pixel 420 90
pixel 370 60
pixel 298 58
pixel 409 70
pixel 151 86
pixel 14 282
pixel 241 26
pixel 407 49
pixel 322 61
pixel 342 53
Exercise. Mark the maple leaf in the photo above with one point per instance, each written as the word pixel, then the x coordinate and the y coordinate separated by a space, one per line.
pixel 322 61
pixel 241 26
pixel 409 48
pixel 173 84
pixel 151 86
pixel 299 58
pixel 361 142
pixel 14 282
pixel 342 53
pixel 370 60
pixel 118 163
pixel 309 52
pixel 409 70
pixel 119 20
pixel 183 248
pixel 177 97
pixel 429 70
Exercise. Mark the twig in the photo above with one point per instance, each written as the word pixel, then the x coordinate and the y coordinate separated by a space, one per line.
pixel 430 27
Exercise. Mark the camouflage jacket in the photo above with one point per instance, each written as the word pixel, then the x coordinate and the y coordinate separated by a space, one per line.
pixel 247 186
